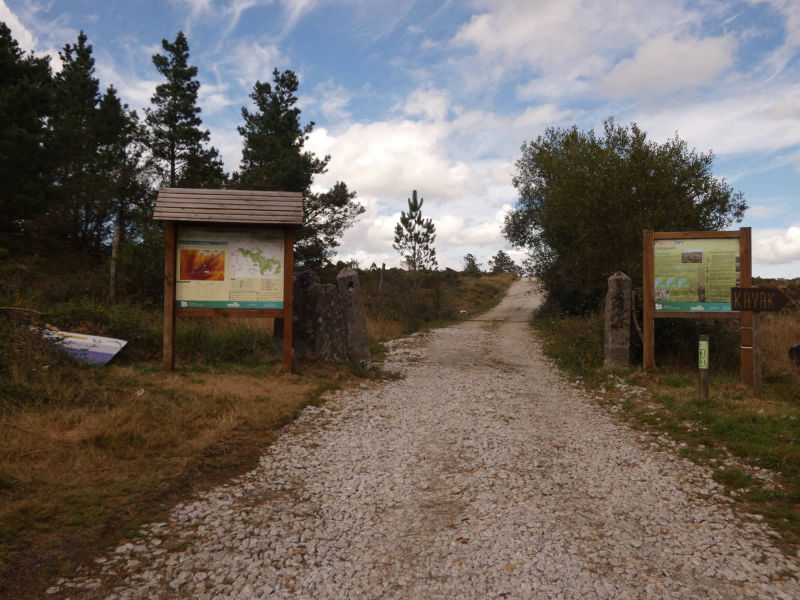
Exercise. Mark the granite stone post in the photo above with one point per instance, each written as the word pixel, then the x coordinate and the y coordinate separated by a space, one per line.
pixel 355 317
pixel 618 321
pixel 330 330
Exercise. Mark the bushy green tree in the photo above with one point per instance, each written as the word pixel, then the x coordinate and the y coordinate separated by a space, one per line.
pixel 26 102
pixel 502 263
pixel 177 141
pixel 274 158
pixel 414 237
pixel 584 200
pixel 471 265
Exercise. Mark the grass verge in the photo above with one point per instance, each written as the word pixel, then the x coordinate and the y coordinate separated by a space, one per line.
pixel 751 443
pixel 77 474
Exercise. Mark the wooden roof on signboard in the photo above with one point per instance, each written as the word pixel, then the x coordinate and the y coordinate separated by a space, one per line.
pixel 229 206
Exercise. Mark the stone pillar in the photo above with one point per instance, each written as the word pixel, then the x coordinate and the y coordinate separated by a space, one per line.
pixel 304 314
pixel 355 317
pixel 618 321
pixel 330 330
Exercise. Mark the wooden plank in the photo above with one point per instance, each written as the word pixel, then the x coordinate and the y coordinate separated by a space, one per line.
pixel 265 219
pixel 694 235
pixel 217 192
pixel 288 280
pixel 746 318
pixel 169 297
pixel 688 314
pixel 648 300
pixel 229 206
pixel 756 354
pixel 259 313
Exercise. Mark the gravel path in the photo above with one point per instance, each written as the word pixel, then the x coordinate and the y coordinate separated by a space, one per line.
pixel 481 473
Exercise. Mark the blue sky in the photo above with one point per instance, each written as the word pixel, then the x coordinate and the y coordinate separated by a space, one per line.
pixel 439 96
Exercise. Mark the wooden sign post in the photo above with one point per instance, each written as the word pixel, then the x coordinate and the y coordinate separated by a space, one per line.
pixel 689 275
pixel 228 253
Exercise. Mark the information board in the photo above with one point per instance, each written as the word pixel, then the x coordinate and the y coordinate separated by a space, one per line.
pixel 219 267
pixel 695 275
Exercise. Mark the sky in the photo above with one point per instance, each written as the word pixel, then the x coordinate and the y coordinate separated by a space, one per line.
pixel 438 96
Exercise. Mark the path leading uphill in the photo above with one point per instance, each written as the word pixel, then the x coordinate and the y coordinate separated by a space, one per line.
pixel 481 473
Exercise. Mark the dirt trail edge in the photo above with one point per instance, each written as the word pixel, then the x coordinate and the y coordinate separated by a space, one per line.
pixel 481 474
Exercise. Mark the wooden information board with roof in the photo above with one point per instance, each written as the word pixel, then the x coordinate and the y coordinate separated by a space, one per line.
pixel 228 253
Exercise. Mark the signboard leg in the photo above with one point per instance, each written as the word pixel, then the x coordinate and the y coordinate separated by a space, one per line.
pixel 648 302
pixel 169 296
pixel 756 354
pixel 702 364
pixel 288 280
pixel 746 318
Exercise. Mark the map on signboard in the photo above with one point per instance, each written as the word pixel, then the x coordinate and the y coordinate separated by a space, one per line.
pixel 249 261
pixel 695 274
pixel 229 268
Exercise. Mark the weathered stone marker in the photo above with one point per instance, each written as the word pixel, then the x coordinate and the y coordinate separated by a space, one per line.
pixel 330 330
pixel 354 316
pixel 618 321
pixel 328 321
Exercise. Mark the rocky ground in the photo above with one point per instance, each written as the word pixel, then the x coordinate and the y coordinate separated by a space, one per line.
pixel 481 473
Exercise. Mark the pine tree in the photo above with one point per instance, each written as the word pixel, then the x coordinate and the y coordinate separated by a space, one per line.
pixel 176 139
pixel 80 208
pixel 471 265
pixel 414 237
pixel 502 263
pixel 25 104
pixel 274 158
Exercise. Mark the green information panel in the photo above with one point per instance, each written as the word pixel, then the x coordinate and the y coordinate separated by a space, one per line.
pixel 224 268
pixel 695 275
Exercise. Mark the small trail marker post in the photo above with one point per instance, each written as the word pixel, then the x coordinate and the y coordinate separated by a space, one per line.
pixel 702 365
pixel 228 253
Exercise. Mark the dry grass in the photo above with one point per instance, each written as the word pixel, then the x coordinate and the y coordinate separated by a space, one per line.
pixel 779 332
pixel 78 475
pixel 380 329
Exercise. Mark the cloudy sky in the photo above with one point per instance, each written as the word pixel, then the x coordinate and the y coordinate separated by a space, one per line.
pixel 438 96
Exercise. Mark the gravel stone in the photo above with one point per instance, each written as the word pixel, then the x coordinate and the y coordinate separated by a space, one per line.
pixel 481 472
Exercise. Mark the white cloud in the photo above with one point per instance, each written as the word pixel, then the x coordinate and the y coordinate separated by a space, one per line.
pixel 776 246
pixel 430 103
pixel 564 41
pixel 331 99
pixel 389 158
pixel 251 61
pixel 24 37
pixel 754 120
pixel 664 64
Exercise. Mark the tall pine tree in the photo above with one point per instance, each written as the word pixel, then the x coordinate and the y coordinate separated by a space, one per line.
pixel 80 210
pixel 176 139
pixel 414 237
pixel 25 104
pixel 274 158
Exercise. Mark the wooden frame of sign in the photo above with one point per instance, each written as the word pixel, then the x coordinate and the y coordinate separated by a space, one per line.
pixel 749 358
pixel 239 213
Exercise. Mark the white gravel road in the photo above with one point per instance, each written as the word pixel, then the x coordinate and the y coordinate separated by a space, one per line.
pixel 481 473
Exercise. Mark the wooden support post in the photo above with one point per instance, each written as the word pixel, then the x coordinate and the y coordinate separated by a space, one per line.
pixel 288 281
pixel 756 354
pixel 702 365
pixel 169 296
pixel 648 300
pixel 747 344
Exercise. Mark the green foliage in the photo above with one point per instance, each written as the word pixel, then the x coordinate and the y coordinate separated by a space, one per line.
pixel 176 140
pixel 471 266
pixel 414 237
pixel 25 102
pixel 585 199
pixel 502 263
pixel 273 158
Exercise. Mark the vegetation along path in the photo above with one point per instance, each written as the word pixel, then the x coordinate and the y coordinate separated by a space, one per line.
pixel 481 473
